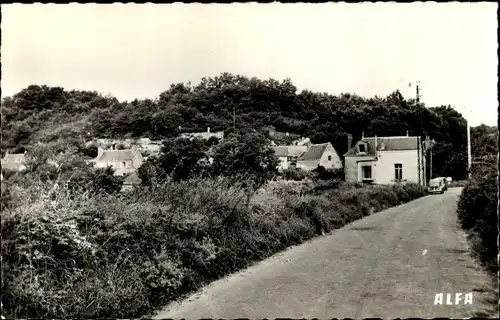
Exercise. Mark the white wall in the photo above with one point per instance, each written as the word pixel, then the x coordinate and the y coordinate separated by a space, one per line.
pixel 283 163
pixel 350 169
pixel 335 162
pixel 383 170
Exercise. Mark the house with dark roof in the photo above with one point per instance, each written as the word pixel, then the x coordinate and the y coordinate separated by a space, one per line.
pixel 14 161
pixel 122 161
pixel 323 154
pixel 386 160
pixel 288 155
pixel 308 157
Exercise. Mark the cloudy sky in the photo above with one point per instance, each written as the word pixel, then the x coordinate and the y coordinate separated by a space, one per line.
pixel 137 51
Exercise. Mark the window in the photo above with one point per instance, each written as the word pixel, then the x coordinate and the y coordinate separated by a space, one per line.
pixel 398 171
pixel 361 148
pixel 367 172
pixel 124 164
pixel 329 158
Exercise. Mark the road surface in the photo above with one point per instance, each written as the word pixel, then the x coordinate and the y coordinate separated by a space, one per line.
pixel 374 267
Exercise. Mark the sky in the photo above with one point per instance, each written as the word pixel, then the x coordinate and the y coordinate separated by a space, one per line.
pixel 137 51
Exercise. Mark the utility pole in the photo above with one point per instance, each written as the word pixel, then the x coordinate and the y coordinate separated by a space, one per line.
pixel 430 166
pixel 429 144
pixel 418 89
pixel 420 170
pixel 418 92
pixel 469 153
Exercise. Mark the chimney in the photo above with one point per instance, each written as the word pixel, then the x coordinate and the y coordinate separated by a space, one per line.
pixel 407 133
pixel 349 141
pixel 362 134
pixel 208 129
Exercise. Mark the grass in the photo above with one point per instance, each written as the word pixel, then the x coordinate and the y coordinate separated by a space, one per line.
pixel 124 256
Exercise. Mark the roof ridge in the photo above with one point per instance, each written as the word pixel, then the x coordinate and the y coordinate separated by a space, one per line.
pixel 390 137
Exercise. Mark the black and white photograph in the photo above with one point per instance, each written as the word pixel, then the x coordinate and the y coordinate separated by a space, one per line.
pixel 249 160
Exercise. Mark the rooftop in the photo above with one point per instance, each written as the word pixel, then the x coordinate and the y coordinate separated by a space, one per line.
pixel 314 152
pixel 395 143
pixel 116 155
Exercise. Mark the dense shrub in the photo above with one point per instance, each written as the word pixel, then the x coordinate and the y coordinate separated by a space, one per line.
pixel 297 174
pixel 457 183
pixel 329 174
pixel 122 256
pixel 477 212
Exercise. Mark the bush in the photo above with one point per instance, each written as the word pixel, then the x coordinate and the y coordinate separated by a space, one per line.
pixel 457 183
pixel 297 174
pixel 477 212
pixel 329 174
pixel 123 256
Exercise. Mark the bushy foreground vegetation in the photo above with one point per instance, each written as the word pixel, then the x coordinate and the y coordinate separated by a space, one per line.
pixel 125 255
pixel 477 211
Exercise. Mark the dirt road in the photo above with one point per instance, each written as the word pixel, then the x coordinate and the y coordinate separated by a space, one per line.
pixel 388 265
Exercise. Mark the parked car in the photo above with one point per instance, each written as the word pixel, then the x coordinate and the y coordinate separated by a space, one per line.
pixel 437 185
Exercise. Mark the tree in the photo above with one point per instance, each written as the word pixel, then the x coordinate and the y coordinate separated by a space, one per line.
pixel 181 159
pixel 245 157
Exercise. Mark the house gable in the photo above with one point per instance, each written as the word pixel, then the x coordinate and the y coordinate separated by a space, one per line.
pixel 330 155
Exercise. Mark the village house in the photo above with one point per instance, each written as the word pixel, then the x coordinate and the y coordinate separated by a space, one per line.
pixel 14 161
pixel 131 181
pixel 385 160
pixel 203 135
pixel 122 161
pixel 288 155
pixel 308 156
pixel 146 146
pixel 323 154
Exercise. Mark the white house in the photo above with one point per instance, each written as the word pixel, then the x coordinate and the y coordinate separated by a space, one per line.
pixel 123 161
pixel 386 160
pixel 308 157
pixel 323 154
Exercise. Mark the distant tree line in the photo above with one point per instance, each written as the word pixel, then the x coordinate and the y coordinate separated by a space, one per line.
pixel 54 115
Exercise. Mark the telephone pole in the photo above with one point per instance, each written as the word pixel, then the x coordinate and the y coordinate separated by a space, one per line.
pixel 469 153
pixel 420 124
pixel 418 91
pixel 430 166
